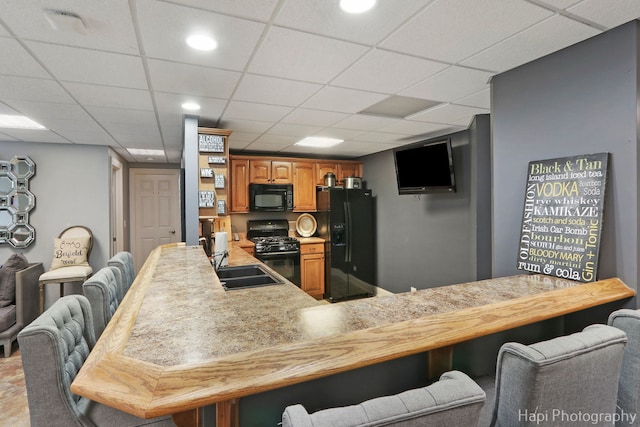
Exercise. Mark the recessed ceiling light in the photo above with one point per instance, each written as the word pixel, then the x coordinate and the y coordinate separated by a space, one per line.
pixel 316 141
pixel 191 106
pixel 200 42
pixel 18 122
pixel 356 6
pixel 145 152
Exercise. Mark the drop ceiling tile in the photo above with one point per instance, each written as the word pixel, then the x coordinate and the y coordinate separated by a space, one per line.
pixel 29 89
pixel 301 56
pixel 16 61
pixel 11 110
pixel 448 113
pixel 453 30
pixel 192 79
pixel 82 132
pixel 365 122
pixel 252 9
pixel 413 127
pixel 123 116
pixel 343 100
pixel 46 111
pixel 210 108
pixel 388 72
pixel 337 133
pixel 114 97
pixel 109 26
pixel 250 126
pixel 6 138
pixel 326 18
pixel 271 90
pixel 34 135
pixel 90 66
pixel 607 13
pixel 236 37
pixel 535 42
pixel 450 84
pixel 251 111
pixel 303 116
pixel 294 130
pixel 562 4
pixel 480 99
pixel 382 137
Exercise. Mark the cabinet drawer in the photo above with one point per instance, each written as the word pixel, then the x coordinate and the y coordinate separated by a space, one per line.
pixel 312 248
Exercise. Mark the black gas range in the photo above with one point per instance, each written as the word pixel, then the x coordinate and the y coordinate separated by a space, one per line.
pixel 275 248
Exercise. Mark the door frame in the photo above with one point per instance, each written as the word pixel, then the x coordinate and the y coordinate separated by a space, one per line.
pixel 117 207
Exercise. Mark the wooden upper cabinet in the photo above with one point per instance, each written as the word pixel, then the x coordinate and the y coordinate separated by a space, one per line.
pixel 322 169
pixel 348 169
pixel 281 172
pixel 269 172
pixel 304 186
pixel 239 185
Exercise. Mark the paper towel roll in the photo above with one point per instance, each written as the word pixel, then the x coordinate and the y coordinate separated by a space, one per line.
pixel 221 247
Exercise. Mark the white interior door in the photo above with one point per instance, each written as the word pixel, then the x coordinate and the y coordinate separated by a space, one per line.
pixel 155 214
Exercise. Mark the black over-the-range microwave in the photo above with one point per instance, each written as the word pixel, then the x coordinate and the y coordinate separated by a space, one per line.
pixel 270 197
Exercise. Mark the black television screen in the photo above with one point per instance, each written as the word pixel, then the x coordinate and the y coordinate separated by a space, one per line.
pixel 425 167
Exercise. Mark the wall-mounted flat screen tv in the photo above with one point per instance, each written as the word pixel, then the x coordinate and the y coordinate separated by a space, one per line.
pixel 425 167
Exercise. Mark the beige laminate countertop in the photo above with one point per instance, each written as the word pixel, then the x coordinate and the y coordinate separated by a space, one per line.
pixel 179 341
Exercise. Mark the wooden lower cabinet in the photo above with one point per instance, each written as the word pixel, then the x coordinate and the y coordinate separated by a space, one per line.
pixel 312 269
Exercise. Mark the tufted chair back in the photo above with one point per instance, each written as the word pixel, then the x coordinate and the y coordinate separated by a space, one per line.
pixel 124 261
pixel 53 349
pixel 629 384
pixel 103 290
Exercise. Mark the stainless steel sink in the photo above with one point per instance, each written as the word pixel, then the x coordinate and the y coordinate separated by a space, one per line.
pixel 246 276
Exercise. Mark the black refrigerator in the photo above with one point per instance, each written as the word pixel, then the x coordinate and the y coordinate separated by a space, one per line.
pixel 346 220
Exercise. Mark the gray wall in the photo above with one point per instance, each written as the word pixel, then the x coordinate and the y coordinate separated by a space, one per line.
pixel 583 99
pixel 432 240
pixel 71 186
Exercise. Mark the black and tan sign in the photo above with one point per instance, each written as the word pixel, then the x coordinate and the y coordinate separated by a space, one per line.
pixel 562 216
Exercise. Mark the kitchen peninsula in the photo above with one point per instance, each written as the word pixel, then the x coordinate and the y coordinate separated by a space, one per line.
pixel 179 341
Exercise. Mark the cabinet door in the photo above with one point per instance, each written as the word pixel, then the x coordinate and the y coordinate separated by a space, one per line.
pixel 260 171
pixel 304 186
pixel 322 169
pixel 281 172
pixel 239 185
pixel 312 273
pixel 349 169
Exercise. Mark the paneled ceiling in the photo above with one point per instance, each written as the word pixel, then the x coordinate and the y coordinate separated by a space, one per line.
pixel 283 69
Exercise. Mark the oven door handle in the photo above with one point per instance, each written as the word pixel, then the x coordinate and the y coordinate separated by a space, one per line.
pixel 276 254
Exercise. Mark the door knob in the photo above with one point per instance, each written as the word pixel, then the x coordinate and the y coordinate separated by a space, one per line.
pixel 172 232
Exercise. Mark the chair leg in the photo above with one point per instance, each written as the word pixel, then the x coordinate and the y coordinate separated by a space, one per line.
pixel 7 347
pixel 61 289
pixel 41 297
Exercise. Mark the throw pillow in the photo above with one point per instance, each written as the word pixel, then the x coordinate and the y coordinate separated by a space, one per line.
pixel 16 262
pixel 70 251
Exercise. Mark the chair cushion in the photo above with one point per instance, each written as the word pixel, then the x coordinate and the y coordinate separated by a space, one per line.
pixel 7 317
pixel 80 272
pixel 16 262
pixel 70 252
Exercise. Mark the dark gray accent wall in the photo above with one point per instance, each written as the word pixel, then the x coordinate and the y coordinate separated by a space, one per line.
pixel 583 99
pixel 432 240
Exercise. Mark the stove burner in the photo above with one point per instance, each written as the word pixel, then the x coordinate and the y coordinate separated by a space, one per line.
pixel 276 244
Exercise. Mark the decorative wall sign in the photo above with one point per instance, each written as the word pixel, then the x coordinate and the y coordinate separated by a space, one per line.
pixel 206 199
pixel 16 201
pixel 210 143
pixel 562 216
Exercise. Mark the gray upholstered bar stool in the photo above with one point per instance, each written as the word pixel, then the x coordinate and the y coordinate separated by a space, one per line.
pixel 454 400
pixel 124 261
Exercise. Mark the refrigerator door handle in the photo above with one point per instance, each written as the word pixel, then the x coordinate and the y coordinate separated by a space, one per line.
pixel 349 231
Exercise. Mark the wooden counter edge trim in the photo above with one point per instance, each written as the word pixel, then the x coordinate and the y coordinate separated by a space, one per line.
pixel 105 360
pixel 188 387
